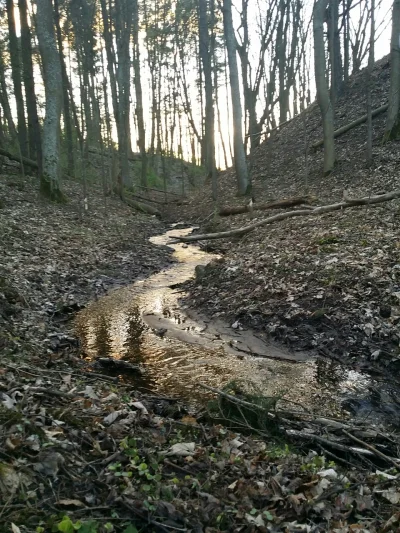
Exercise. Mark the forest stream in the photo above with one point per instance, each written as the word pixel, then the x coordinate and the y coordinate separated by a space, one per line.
pixel 146 324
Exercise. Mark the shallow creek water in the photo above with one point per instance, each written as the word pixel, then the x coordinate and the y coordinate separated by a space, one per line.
pixel 146 324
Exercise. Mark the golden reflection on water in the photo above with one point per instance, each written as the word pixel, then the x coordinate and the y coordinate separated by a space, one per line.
pixel 115 326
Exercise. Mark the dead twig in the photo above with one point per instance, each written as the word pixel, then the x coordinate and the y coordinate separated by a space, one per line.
pixel 373 450
pixel 239 401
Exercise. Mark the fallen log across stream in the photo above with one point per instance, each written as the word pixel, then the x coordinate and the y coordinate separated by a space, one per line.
pixel 290 214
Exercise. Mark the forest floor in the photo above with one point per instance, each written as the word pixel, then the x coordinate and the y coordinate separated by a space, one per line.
pixel 83 452
pixel 80 451
pixel 327 283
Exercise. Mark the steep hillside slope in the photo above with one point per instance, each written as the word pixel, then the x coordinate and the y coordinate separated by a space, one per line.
pixel 330 283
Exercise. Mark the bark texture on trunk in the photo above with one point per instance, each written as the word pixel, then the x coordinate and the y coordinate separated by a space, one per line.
pixel 242 175
pixel 335 50
pixel 50 178
pixel 67 113
pixel 123 20
pixel 139 95
pixel 322 85
pixel 393 117
pixel 16 77
pixel 205 54
pixel 34 132
pixel 371 60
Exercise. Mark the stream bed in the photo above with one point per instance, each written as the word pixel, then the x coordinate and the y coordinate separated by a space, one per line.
pixel 146 324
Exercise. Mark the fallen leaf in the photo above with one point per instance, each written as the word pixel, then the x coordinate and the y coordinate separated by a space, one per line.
pixel 392 495
pixel 189 420
pixel 112 417
pixel 182 449
pixel 141 407
pixel 49 463
pixel 89 392
pixel 8 402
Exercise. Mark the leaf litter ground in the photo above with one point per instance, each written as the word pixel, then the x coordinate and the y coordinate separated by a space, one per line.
pixel 329 283
pixel 80 452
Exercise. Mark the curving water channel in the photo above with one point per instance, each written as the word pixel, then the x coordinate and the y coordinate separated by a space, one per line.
pixel 146 324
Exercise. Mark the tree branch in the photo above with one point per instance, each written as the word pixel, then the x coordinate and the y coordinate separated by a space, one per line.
pixel 290 214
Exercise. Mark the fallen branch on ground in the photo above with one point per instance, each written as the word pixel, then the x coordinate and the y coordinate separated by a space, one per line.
pixel 290 214
pixel 298 428
pixel 302 435
pixel 144 208
pixel 25 160
pixel 277 204
pixel 238 401
pixel 351 125
pixel 378 453
pixel 138 197
pixel 133 157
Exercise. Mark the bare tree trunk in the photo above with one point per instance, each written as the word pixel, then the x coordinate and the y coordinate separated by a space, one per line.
pixel 371 60
pixel 228 109
pixel 50 178
pixel 346 39
pixel 83 17
pixel 34 133
pixel 393 118
pixel 139 95
pixel 281 43
pixel 209 137
pixel 16 76
pixel 110 58
pixel 5 104
pixel 123 26
pixel 2 142
pixel 322 86
pixel 67 114
pixel 335 50
pixel 242 175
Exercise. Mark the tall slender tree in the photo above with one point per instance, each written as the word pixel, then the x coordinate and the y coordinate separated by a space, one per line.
pixel 50 178
pixel 139 94
pixel 123 25
pixel 393 116
pixel 242 173
pixel 16 76
pixel 371 59
pixel 67 113
pixel 205 54
pixel 323 98
pixel 34 131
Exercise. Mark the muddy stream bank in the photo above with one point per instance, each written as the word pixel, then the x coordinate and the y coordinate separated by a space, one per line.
pixel 146 324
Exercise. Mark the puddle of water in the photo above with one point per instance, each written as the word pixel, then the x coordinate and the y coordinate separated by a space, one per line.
pixel 178 349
